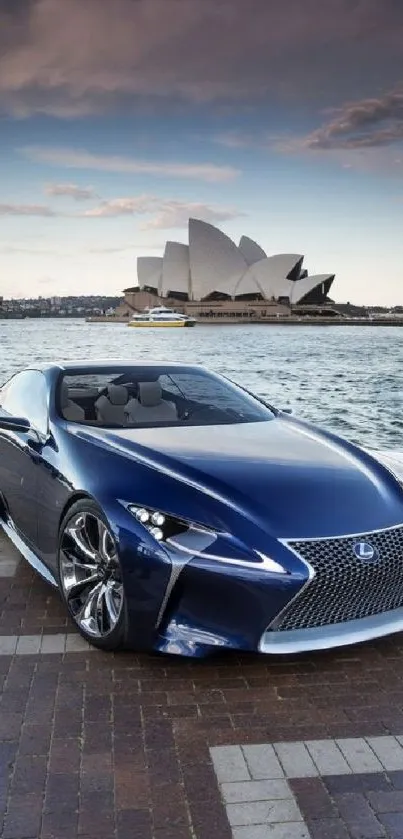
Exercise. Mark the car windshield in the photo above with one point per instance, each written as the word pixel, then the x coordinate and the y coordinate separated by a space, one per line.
pixel 155 396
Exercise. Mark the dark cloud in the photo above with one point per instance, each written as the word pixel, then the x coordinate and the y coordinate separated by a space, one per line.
pixel 78 57
pixel 364 125
pixel 369 123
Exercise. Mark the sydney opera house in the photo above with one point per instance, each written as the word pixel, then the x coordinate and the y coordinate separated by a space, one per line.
pixel 212 275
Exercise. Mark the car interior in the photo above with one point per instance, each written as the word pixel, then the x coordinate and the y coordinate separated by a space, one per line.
pixel 126 401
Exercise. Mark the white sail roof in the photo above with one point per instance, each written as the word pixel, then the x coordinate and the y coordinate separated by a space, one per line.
pixel 149 272
pixel 307 284
pixel 176 269
pixel 282 264
pixel 214 259
pixel 250 250
pixel 267 277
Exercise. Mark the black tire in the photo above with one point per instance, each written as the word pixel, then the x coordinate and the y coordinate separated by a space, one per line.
pixel 114 637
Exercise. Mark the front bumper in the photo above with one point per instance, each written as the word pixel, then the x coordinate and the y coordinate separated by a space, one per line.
pixel 213 605
pixel 286 642
pixel 336 599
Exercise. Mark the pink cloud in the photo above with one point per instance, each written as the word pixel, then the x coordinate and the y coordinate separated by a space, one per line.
pixel 367 123
pixel 165 214
pixel 175 214
pixel 77 193
pixel 123 207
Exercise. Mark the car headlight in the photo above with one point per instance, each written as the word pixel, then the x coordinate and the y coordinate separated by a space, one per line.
pixel 161 526
pixel 192 540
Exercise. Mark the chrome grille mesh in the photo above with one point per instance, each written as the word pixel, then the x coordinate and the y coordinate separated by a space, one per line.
pixel 345 588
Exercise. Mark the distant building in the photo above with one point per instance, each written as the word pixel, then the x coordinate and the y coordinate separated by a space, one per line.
pixel 72 306
pixel 212 268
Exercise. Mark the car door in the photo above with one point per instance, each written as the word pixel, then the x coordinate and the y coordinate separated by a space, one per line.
pixel 25 395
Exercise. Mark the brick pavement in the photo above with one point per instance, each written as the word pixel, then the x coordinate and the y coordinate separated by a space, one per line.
pixel 101 746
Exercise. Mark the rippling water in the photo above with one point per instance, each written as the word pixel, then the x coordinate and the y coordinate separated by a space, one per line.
pixel 348 379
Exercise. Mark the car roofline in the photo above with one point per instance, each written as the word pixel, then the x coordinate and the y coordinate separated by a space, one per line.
pixel 111 362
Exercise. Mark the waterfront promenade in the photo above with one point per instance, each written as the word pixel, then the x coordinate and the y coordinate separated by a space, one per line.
pixel 127 746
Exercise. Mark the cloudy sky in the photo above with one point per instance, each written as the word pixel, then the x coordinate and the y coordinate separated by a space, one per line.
pixel 280 119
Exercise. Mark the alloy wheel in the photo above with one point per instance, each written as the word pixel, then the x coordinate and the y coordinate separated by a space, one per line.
pixel 90 574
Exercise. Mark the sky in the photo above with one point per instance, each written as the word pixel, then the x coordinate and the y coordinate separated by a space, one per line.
pixel 278 119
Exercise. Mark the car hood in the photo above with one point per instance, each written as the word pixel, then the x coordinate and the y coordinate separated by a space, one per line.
pixel 295 479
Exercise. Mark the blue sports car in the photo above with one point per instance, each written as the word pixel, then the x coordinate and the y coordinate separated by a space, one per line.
pixel 177 512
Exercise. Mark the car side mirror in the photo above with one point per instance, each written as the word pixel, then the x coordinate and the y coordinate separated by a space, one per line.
pixel 15 424
pixel 286 410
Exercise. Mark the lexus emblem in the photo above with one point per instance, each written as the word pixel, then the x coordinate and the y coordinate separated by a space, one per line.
pixel 365 551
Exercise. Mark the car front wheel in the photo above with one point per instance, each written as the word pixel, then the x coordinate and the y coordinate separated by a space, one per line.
pixel 90 576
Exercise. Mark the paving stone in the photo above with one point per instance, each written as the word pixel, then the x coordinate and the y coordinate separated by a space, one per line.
pixel 263 762
pixel 8 644
pixel 396 779
pixel 229 764
pixel 28 644
pixel 297 830
pixel 359 816
pixel 327 757
pixel 358 754
pixel 366 829
pixel 262 812
pixel 23 817
pixel 393 824
pixel 313 798
pixel 75 643
pixel 367 782
pixel 386 802
pixel 388 750
pixel 327 829
pixel 8 566
pixel 53 644
pixel 256 791
pixel 296 760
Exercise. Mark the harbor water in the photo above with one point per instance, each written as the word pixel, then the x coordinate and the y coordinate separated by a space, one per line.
pixel 347 379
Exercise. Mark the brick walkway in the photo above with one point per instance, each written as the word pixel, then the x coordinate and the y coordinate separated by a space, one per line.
pixel 102 746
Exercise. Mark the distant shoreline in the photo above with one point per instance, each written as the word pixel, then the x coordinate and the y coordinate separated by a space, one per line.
pixel 53 316
pixel 285 321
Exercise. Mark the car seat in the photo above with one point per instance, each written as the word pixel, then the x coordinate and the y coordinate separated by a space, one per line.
pixel 70 410
pixel 110 407
pixel 150 406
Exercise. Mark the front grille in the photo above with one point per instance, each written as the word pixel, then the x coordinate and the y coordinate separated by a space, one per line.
pixel 345 588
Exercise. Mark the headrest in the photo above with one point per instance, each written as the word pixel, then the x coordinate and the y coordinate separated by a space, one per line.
pixel 150 394
pixel 117 395
pixel 64 395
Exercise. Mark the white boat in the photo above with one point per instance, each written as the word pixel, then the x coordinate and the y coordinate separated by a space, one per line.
pixel 161 316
